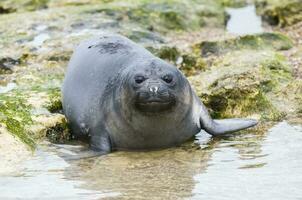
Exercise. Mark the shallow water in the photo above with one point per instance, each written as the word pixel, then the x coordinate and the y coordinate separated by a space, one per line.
pixel 252 165
pixel 244 20
pixel 39 39
pixel 7 88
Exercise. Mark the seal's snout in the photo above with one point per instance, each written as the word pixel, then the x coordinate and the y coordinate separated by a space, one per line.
pixel 154 98
pixel 153 93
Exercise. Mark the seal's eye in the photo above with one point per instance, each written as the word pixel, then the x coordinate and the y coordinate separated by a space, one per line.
pixel 168 78
pixel 139 79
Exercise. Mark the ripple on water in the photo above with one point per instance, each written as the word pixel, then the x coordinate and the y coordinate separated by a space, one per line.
pixel 275 174
pixel 43 177
pixel 241 166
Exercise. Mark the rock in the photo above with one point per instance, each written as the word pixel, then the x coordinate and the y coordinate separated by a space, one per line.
pixel 188 62
pixel 275 41
pixel 8 6
pixel 53 127
pixel 167 15
pixel 281 13
pixel 7 63
pixel 245 83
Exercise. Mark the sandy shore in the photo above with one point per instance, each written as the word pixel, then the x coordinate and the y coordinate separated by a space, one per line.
pixel 12 153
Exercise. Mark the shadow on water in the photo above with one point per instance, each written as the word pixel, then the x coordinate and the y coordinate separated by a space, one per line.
pixel 251 164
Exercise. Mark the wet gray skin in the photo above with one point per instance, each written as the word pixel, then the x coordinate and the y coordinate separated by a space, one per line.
pixel 123 97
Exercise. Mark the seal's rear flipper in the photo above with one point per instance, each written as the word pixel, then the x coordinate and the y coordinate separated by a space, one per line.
pixel 220 127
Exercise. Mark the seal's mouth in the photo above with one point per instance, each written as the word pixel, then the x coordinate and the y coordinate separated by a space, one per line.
pixel 154 106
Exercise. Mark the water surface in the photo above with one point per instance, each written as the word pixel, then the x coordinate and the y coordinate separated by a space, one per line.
pixel 249 165
pixel 244 20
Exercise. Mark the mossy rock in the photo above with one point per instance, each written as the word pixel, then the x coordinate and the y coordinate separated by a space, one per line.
pixel 188 63
pixel 275 41
pixel 234 3
pixel 239 95
pixel 8 6
pixel 15 115
pixel 163 16
pixel 245 83
pixel 191 64
pixel 54 127
pixel 169 53
pixel 282 13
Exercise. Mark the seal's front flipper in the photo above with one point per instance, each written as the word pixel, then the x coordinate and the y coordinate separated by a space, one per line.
pixel 100 141
pixel 220 127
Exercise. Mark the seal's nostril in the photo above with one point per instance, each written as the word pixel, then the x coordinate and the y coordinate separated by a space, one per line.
pixel 153 89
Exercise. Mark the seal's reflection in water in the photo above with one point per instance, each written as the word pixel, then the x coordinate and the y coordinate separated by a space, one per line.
pixel 164 174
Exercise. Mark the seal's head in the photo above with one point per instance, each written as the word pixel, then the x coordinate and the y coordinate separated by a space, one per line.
pixel 154 87
pixel 154 92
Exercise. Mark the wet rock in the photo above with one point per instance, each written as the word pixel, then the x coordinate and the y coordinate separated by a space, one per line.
pixel 7 64
pixel 54 127
pixel 275 41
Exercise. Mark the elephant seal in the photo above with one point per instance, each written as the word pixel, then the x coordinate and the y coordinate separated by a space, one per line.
pixel 123 97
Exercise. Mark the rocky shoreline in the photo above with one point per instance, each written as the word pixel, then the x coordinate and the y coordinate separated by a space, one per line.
pixel 258 75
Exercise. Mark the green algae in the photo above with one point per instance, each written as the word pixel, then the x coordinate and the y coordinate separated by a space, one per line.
pixel 54 103
pixel 16 116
